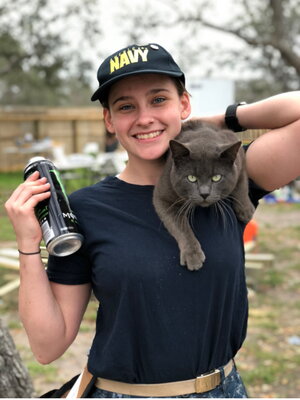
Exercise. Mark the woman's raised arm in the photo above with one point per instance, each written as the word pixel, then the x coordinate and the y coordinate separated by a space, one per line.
pixel 273 159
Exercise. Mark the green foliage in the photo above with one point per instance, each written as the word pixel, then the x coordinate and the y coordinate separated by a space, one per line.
pixel 253 89
pixel 37 62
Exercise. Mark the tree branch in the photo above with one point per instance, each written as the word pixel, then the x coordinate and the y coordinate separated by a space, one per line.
pixel 280 40
pixel 277 19
pixel 281 45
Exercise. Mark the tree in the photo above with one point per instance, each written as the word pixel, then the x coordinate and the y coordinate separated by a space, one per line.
pixel 265 52
pixel 37 58
pixel 15 381
pixel 270 32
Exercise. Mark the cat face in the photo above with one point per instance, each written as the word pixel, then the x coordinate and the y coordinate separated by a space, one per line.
pixel 204 178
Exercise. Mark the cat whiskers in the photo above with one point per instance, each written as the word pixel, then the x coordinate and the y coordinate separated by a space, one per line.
pixel 184 212
pixel 223 208
pixel 219 211
pixel 189 212
pixel 178 201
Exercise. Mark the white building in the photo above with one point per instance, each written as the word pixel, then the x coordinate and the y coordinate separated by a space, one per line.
pixel 210 96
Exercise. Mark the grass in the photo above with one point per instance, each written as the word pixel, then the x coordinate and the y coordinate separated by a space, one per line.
pixel 9 180
pixel 36 370
pixel 8 183
pixel 14 325
pixel 268 364
pixel 6 229
pixel 273 278
pixel 262 374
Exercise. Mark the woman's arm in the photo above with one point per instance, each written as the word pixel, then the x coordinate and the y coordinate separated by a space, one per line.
pixel 273 160
pixel 51 313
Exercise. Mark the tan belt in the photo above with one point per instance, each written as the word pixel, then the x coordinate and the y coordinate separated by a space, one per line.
pixel 201 384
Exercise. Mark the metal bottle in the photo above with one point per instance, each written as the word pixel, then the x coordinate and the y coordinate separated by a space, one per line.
pixel 57 221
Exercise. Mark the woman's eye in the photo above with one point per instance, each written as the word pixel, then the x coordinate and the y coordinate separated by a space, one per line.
pixel 216 178
pixel 158 100
pixel 192 178
pixel 125 107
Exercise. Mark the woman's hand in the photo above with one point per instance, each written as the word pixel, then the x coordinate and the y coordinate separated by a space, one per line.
pixel 20 210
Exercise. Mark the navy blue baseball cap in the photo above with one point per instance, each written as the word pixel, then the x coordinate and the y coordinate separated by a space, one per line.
pixel 148 59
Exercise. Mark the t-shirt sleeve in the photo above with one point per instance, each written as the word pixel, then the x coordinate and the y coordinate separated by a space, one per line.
pixel 255 192
pixel 74 269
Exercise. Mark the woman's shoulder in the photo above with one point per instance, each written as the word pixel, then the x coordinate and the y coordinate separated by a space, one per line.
pixel 93 189
pixel 102 192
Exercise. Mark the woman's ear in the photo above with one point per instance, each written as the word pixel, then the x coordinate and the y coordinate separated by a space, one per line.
pixel 185 105
pixel 107 120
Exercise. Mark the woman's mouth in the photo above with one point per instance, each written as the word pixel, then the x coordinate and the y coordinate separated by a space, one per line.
pixel 150 135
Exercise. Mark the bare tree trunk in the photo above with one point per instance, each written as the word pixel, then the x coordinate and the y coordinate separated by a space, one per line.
pixel 15 381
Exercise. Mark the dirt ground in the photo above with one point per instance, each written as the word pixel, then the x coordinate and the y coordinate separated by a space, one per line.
pixel 269 361
pixel 274 318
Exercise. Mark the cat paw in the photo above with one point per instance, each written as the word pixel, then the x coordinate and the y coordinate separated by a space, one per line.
pixel 193 260
pixel 245 214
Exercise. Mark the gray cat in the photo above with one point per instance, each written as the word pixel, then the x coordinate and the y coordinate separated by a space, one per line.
pixel 206 164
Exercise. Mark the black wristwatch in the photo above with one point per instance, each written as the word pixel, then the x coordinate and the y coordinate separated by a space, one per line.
pixel 231 119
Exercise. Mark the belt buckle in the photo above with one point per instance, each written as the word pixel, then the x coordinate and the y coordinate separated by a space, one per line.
pixel 207 382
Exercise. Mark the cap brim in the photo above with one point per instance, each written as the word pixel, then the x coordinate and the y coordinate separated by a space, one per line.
pixel 102 90
pixel 96 95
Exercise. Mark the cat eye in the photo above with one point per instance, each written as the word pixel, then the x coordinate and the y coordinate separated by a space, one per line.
pixel 192 178
pixel 216 178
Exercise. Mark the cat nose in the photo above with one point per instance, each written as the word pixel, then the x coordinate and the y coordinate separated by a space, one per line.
pixel 205 195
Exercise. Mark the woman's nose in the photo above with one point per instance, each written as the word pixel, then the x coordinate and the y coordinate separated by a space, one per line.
pixel 144 117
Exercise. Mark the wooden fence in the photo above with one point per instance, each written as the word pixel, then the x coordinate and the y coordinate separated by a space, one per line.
pixel 71 127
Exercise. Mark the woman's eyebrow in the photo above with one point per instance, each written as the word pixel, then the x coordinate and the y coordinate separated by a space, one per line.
pixel 122 98
pixel 154 91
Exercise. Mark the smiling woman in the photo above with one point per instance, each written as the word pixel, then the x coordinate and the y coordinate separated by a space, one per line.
pixel 145 112
pixel 161 329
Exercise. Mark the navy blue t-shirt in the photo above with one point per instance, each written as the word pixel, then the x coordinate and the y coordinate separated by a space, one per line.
pixel 157 321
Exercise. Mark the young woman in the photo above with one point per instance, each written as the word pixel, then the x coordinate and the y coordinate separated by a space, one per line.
pixel 161 330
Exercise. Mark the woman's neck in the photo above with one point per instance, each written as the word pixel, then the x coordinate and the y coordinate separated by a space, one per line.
pixel 142 172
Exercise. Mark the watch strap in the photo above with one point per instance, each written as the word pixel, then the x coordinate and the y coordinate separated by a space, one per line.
pixel 231 119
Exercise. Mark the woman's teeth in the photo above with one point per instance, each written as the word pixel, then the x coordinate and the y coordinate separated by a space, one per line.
pixel 148 135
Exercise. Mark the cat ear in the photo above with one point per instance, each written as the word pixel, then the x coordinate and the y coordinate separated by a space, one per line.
pixel 229 152
pixel 178 149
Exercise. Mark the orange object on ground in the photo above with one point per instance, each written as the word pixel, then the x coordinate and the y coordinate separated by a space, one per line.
pixel 250 232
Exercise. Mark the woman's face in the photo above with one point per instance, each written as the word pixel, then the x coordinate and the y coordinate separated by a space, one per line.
pixel 145 112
